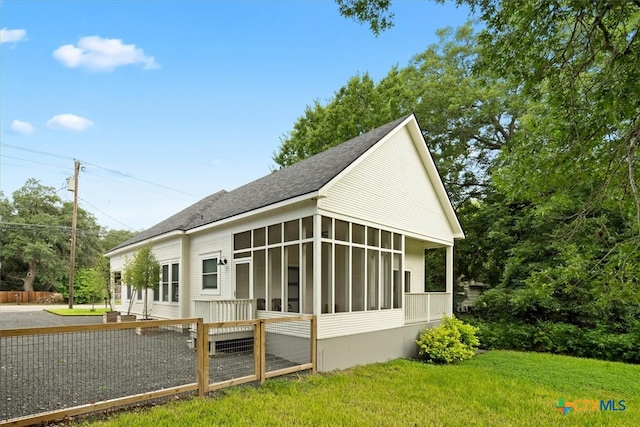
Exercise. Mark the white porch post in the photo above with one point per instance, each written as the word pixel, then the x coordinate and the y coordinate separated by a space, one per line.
pixel 317 264
pixel 449 278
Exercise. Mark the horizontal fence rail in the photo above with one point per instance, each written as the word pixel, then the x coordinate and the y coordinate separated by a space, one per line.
pixel 51 373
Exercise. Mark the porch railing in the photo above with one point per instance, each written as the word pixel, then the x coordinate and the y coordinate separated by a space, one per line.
pixel 225 310
pixel 426 307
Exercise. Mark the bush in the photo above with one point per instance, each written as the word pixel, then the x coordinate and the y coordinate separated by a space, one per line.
pixel 452 341
pixel 561 338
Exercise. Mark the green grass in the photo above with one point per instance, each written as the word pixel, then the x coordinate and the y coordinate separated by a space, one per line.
pixel 499 388
pixel 77 311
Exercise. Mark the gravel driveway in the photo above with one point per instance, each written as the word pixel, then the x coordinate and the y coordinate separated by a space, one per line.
pixel 32 319
pixel 50 372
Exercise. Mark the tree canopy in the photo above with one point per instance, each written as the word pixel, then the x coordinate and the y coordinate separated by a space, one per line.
pixel 35 239
pixel 36 227
pixel 466 120
pixel 534 124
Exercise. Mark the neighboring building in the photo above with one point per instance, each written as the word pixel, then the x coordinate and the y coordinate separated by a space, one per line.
pixel 341 235
pixel 471 291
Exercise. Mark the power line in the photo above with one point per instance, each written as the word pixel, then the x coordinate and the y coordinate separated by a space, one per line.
pixel 107 215
pixel 21 225
pixel 119 173
pixel 35 161
pixel 31 150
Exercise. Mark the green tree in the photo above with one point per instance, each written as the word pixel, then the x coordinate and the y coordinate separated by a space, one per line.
pixel 35 241
pixel 142 273
pixel 90 286
pixel 579 63
pixel 467 118
pixel 112 238
pixel 569 223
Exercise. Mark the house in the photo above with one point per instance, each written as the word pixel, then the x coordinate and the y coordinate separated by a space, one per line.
pixel 341 235
pixel 471 290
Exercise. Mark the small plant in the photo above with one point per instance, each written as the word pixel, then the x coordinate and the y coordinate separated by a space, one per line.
pixel 452 341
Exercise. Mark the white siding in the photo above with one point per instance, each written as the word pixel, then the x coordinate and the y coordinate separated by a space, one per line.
pixel 390 187
pixel 341 324
pixel 166 251
pixel 414 261
pixel 210 243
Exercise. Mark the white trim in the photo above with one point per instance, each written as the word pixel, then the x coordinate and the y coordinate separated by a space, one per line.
pixel 155 239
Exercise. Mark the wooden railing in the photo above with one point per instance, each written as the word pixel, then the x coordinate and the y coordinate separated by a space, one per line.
pixel 426 307
pixel 225 310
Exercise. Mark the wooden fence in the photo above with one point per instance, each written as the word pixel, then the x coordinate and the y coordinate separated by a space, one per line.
pixel 22 297
pixel 75 370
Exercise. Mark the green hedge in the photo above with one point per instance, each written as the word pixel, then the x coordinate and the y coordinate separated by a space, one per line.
pixel 561 338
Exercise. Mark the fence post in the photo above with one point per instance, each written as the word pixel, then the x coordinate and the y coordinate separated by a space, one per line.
pixel 257 350
pixel 263 352
pixel 202 349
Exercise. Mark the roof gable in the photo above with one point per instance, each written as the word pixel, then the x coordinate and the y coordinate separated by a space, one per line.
pixel 304 177
pixel 398 171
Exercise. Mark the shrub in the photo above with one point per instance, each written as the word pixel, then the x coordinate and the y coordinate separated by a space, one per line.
pixel 452 341
pixel 561 338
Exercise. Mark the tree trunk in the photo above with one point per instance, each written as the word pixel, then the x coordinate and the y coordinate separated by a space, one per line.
pixel 30 277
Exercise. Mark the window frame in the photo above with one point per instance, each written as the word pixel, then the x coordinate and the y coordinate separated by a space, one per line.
pixel 214 256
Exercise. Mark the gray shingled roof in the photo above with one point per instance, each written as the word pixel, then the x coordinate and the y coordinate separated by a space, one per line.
pixel 304 177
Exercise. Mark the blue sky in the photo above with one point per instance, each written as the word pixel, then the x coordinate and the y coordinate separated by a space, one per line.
pixel 166 102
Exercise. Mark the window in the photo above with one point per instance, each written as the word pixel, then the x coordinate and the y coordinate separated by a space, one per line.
pixel 342 230
pixel 175 285
pixel 210 273
pixel 258 237
pixel 291 231
pixel 307 227
pixel 275 234
pixel 165 283
pixel 372 236
pixel 242 241
pixel 357 233
pixel 117 286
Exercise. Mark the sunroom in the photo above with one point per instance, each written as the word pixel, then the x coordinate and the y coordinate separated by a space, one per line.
pixel 367 277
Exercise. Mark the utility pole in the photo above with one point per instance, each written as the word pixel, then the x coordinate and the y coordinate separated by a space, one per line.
pixel 74 225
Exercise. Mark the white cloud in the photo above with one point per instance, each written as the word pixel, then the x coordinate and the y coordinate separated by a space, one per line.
pixel 69 122
pixel 21 128
pixel 12 36
pixel 98 54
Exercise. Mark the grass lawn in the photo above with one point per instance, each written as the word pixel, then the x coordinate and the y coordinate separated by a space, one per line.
pixel 498 388
pixel 77 311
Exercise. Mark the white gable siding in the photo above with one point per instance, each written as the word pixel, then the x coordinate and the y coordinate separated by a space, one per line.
pixel 390 187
